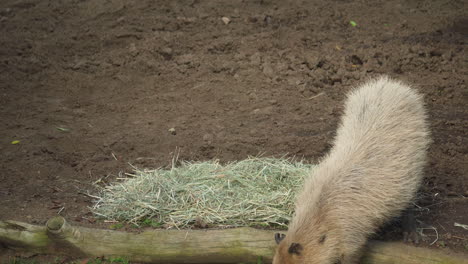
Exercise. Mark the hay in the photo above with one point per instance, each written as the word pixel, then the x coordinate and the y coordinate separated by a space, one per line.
pixel 251 192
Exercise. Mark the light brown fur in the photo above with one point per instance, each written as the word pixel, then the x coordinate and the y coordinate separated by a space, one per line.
pixel 370 175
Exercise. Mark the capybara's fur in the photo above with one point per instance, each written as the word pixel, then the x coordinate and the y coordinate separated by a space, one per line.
pixel 370 175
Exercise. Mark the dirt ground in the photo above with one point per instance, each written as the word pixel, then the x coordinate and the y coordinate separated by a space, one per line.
pixel 89 87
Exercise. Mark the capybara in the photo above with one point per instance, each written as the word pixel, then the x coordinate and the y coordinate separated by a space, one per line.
pixel 370 175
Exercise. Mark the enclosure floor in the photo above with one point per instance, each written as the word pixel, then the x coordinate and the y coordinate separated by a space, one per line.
pixel 89 87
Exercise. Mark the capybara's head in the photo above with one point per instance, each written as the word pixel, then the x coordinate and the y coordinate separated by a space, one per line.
pixel 293 249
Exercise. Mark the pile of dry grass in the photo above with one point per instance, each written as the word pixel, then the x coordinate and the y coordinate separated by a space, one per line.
pixel 251 192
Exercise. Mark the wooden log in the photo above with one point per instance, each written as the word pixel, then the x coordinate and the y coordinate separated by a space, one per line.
pixel 398 253
pixel 184 246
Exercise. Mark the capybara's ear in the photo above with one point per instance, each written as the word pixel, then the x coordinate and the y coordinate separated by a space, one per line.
pixel 322 239
pixel 279 237
pixel 295 248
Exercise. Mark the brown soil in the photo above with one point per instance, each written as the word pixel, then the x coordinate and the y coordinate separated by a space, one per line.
pixel 117 75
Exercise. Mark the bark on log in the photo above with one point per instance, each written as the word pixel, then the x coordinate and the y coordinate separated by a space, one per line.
pixel 185 246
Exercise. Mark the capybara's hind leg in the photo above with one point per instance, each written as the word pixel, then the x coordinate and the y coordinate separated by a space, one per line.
pixel 409 225
pixel 353 257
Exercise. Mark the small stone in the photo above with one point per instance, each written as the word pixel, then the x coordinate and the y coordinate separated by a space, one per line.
pixel 281 67
pixel 302 89
pixel 133 50
pixel 5 11
pixel 252 19
pixel 266 111
pixel 447 56
pixel 226 20
pixel 435 53
pixel 208 137
pixel 268 70
pixel 184 59
pixel 311 61
pixel 441 244
pixel 172 131
pixel 355 60
pixel 167 53
pixel 239 56
pixel 253 133
pixel 200 223
pixel 256 59
pixel 253 96
pixel 413 49
pixel 80 64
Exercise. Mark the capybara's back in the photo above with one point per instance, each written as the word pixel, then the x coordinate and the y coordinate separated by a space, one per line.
pixel 370 175
pixel 383 138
